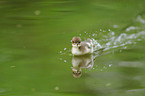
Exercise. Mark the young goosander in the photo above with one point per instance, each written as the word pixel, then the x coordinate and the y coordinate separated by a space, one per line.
pixel 81 48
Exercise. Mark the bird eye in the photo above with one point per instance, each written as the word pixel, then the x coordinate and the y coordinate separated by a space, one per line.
pixel 72 41
pixel 79 42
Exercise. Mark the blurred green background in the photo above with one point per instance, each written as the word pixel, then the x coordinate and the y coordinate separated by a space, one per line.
pixel 34 32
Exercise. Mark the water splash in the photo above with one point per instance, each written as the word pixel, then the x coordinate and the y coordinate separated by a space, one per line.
pixel 123 39
pixel 111 40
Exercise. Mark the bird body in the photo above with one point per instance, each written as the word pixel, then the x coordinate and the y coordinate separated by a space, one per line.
pixel 81 48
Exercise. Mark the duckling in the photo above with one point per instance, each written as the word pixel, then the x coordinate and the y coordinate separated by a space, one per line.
pixel 81 47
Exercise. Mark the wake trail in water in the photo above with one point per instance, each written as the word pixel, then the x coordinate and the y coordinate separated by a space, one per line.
pixel 112 41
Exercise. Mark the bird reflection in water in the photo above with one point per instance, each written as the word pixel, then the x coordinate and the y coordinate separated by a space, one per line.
pixel 79 62
pixel 84 61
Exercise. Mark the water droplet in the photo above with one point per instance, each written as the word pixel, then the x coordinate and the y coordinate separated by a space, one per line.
pixel 114 46
pixel 123 44
pixel 60 58
pixel 104 31
pixel 108 43
pixel 110 65
pixel 115 26
pixel 105 67
pixel 93 34
pixel 100 29
pixel 65 61
pixel 108 29
pixel 125 47
pixel 60 51
pixel 56 88
pixel 138 39
pixel 112 33
pixel 64 48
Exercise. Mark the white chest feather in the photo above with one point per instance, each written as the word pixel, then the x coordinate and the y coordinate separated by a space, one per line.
pixel 77 51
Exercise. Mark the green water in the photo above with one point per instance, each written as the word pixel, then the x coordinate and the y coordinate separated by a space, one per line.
pixel 34 34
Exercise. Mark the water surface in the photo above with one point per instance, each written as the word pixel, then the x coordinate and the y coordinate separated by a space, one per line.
pixel 35 44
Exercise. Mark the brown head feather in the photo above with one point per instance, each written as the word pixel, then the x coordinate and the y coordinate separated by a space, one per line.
pixel 76 39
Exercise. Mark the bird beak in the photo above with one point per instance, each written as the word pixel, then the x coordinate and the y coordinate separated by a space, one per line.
pixel 78 44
